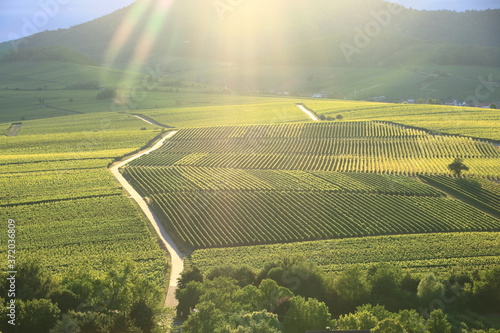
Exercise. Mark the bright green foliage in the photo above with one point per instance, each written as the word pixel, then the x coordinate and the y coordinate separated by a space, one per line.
pixel 271 294
pixel 60 184
pixel 438 322
pixel 220 291
pixel 306 315
pixel 48 229
pixel 115 299
pixel 361 320
pixel 69 209
pixel 243 275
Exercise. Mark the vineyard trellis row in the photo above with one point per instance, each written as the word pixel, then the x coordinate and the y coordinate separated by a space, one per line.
pixel 217 219
pixel 326 146
pixel 259 184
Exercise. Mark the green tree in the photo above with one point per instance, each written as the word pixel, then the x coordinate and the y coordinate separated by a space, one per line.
pixel 385 285
pixel 272 294
pixel 206 318
pixel 221 291
pixel 188 275
pixel 259 322
pixel 429 288
pixel 487 290
pixel 33 282
pixel 37 315
pixel 366 320
pixel 188 297
pixel 438 322
pixel 347 322
pixel 68 324
pixel 350 289
pixel 389 325
pixel 306 315
pixel 379 311
pixel 493 106
pixel 250 298
pixel 298 275
pixel 411 321
pixel 434 101
pixel 244 275
pixel 115 291
pixel 457 166
pixel 143 315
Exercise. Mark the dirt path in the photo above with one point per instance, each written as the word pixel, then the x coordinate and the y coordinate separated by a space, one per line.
pixel 176 256
pixel 308 112
pixel 150 120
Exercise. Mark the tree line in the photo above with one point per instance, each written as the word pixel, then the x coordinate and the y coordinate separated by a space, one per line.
pixel 292 295
pixel 84 301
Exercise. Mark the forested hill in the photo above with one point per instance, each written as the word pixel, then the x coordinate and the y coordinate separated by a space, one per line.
pixel 320 32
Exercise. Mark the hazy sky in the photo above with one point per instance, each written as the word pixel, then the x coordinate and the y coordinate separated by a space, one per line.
pixel 458 5
pixel 19 18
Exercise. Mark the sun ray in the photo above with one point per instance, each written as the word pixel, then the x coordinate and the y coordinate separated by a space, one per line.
pixel 126 29
pixel 149 38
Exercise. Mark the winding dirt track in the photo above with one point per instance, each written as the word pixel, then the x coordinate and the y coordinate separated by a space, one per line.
pixel 176 256
pixel 309 113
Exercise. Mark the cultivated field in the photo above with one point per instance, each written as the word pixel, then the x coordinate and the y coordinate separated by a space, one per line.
pixel 243 185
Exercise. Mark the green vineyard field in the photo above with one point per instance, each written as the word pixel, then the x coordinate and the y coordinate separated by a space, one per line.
pixel 327 146
pixel 70 212
pixel 481 191
pixel 220 218
pixel 259 184
pixel 475 122
pixel 157 180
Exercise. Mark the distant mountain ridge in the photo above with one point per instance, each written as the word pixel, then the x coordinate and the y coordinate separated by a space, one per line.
pixel 294 32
